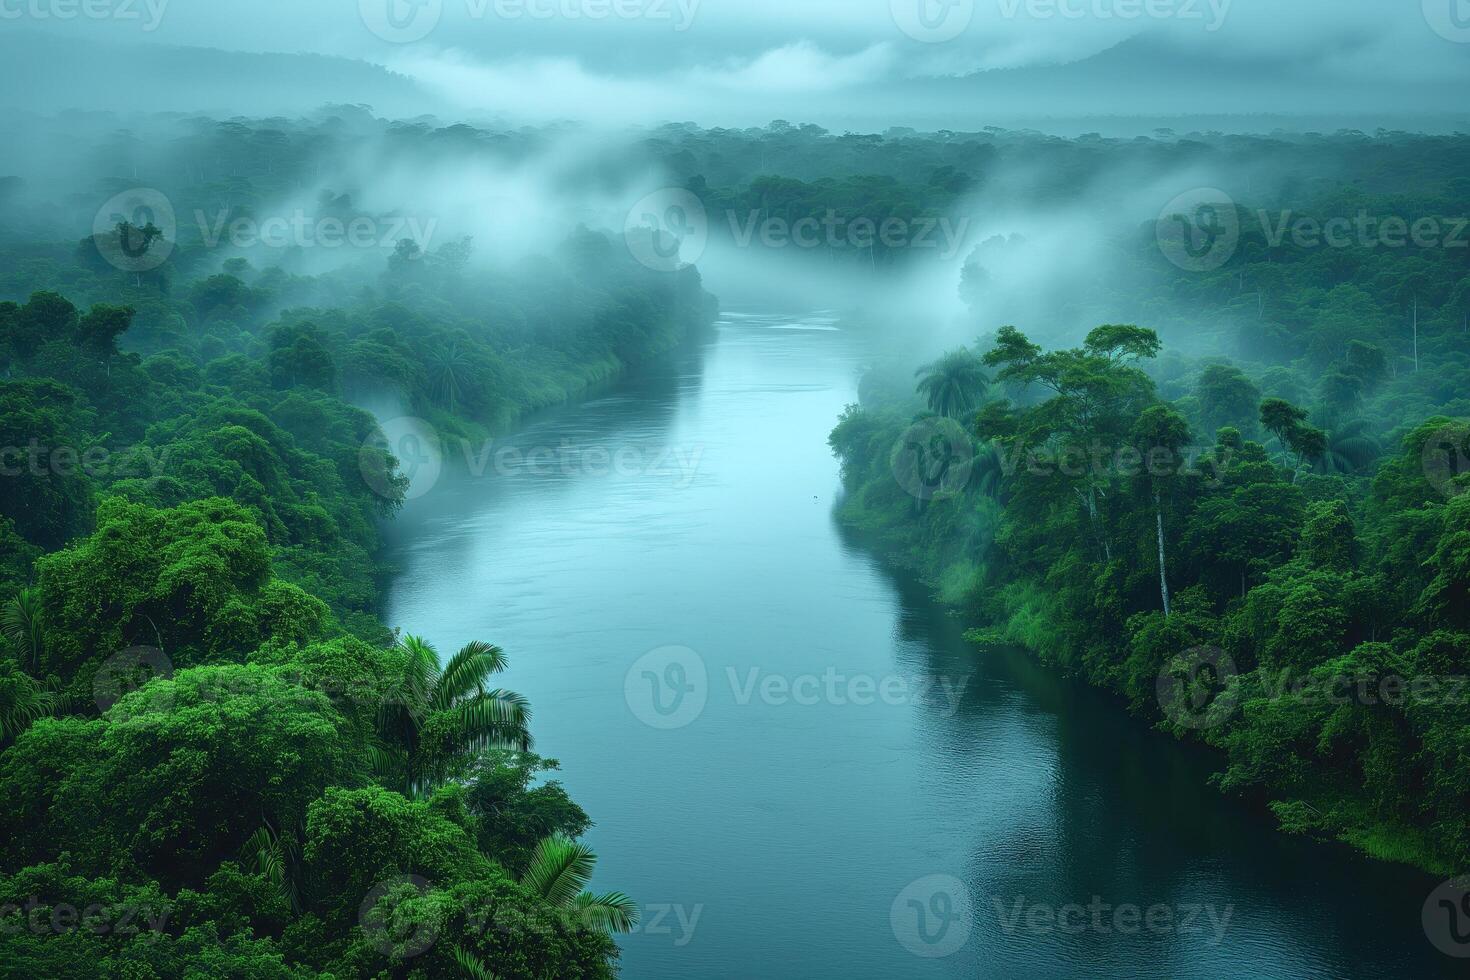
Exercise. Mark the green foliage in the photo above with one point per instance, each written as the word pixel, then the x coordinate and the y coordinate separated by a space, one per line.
pixel 193 580
pixel 953 384
pixel 437 721
pixel 512 816
pixel 1336 595
pixel 186 487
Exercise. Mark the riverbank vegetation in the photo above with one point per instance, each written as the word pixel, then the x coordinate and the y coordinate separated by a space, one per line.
pixel 207 738
pixel 1262 542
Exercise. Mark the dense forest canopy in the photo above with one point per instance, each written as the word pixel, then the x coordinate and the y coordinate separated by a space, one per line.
pixel 1155 443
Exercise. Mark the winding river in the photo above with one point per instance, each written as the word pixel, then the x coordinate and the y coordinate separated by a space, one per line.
pixel 797 765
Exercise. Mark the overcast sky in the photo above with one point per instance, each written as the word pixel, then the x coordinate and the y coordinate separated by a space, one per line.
pixel 670 58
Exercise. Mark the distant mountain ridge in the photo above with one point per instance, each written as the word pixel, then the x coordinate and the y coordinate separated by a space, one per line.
pixel 47 73
pixel 1147 77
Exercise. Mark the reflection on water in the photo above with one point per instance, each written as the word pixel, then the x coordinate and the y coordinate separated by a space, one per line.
pixel 797 765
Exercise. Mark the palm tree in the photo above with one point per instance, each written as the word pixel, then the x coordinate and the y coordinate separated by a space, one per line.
pixel 1351 447
pixel 446 366
pixel 472 966
pixel 989 473
pixel 277 859
pixel 953 384
pixel 22 701
pixel 439 718
pixel 21 625
pixel 558 873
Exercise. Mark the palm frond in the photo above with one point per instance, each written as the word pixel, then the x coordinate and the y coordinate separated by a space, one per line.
pixel 467 672
pixel 387 764
pixel 495 719
pixel 272 856
pixel 21 624
pixel 607 912
pixel 559 870
pixel 953 385
pixel 22 701
pixel 472 966
pixel 421 669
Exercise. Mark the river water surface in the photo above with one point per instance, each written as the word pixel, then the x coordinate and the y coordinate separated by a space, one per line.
pixel 797 765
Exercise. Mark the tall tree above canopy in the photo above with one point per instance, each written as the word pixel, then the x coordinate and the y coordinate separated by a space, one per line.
pixel 1161 433
pixel 953 385
pixel 1098 392
pixel 1289 425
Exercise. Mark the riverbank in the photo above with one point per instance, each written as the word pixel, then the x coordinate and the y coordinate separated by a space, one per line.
pixel 1025 785
pixel 963 545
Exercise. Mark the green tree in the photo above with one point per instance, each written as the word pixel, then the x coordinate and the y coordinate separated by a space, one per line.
pixel 1227 398
pixel 437 720
pixel 1161 434
pixel 953 385
pixel 1288 424
pixel 23 626
pixel 558 874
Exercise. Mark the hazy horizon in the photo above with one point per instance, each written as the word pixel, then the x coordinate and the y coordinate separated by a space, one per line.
pixel 934 64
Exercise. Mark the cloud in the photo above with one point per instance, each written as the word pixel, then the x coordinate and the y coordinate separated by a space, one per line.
pixel 845 63
pixel 567 88
pixel 796 69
